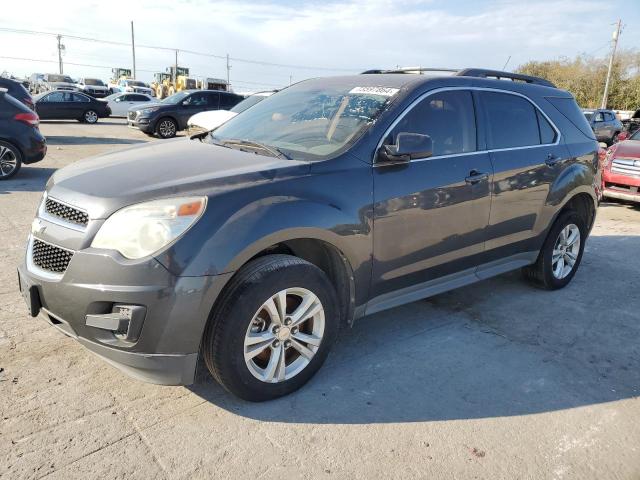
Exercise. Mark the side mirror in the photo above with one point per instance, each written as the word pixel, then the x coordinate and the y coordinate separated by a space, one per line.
pixel 408 146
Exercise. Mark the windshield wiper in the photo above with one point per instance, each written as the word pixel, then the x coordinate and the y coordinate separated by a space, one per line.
pixel 274 151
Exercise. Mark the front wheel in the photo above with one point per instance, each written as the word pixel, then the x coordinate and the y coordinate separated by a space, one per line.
pixel 166 128
pixel 272 329
pixel 561 253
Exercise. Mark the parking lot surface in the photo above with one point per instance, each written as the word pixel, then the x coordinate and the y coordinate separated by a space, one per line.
pixel 496 380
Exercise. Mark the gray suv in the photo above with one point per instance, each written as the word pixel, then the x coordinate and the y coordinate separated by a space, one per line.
pixel 252 245
pixel 605 125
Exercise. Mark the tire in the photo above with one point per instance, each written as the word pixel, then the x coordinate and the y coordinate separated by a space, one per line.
pixel 241 313
pixel 166 128
pixel 546 272
pixel 90 116
pixel 10 160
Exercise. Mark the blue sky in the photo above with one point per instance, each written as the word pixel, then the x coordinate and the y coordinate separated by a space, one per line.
pixel 346 35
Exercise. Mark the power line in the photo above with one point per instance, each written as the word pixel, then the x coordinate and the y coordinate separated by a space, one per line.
pixel 192 52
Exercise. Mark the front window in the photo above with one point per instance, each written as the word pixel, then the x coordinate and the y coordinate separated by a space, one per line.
pixel 635 136
pixel 135 83
pixel 94 82
pixel 308 121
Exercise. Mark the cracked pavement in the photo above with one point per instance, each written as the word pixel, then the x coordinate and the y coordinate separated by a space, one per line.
pixel 495 380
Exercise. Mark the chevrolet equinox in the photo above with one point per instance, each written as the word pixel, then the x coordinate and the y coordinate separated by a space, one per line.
pixel 251 245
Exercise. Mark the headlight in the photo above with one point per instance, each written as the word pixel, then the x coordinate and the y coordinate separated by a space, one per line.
pixel 148 110
pixel 142 229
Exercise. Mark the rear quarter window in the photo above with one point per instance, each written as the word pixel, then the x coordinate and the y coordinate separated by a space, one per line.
pixel 569 109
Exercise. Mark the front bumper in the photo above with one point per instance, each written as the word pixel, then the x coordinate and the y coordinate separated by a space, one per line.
pixel 621 187
pixel 177 309
pixel 143 123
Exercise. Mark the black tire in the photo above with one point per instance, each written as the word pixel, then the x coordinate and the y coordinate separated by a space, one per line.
pixel 254 284
pixel 10 160
pixel 166 128
pixel 541 273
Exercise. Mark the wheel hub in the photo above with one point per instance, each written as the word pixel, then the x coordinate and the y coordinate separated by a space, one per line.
pixel 283 333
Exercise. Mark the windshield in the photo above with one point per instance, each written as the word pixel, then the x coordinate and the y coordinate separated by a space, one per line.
pixel 308 121
pixel 247 102
pixel 93 81
pixel 135 83
pixel 635 136
pixel 59 78
pixel 175 98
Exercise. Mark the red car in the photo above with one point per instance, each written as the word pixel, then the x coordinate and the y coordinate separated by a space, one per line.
pixel 621 172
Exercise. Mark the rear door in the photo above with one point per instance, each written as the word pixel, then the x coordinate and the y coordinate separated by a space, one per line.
pixel 79 105
pixel 527 155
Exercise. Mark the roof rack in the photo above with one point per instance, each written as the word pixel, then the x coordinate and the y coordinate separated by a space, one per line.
pixel 483 73
pixel 470 72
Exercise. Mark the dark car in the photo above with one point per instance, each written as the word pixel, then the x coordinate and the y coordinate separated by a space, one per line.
pixel 61 105
pixel 333 199
pixel 17 91
pixel 20 139
pixel 169 116
pixel 604 124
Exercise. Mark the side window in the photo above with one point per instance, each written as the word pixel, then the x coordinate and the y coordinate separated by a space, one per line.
pixel 137 98
pixel 447 117
pixel 547 133
pixel 196 100
pixel 608 116
pixel 228 100
pixel 511 121
pixel 79 98
pixel 55 97
pixel 214 100
pixel 599 117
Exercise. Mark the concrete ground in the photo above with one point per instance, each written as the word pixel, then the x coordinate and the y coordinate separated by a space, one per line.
pixel 498 380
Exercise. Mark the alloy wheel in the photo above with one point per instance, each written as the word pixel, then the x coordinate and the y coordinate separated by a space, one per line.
pixel 284 335
pixel 565 251
pixel 8 161
pixel 91 116
pixel 167 128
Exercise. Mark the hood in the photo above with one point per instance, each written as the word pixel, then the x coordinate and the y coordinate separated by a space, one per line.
pixel 628 149
pixel 106 183
pixel 210 120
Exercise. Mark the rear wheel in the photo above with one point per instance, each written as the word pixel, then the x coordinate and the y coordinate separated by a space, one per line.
pixel 561 253
pixel 10 160
pixel 272 329
pixel 90 116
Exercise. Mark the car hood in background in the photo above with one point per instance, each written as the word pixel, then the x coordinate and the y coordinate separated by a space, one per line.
pixel 106 183
pixel 628 149
pixel 211 119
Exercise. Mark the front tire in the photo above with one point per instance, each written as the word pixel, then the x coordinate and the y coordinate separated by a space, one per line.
pixel 272 328
pixel 561 253
pixel 10 160
pixel 166 128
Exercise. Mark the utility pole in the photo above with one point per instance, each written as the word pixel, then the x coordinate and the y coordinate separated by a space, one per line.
pixel 175 70
pixel 616 35
pixel 133 51
pixel 60 48
pixel 228 72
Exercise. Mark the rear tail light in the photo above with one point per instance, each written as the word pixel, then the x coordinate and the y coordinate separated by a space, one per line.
pixel 28 118
pixel 29 103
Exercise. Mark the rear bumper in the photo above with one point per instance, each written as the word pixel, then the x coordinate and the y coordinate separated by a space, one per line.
pixel 32 145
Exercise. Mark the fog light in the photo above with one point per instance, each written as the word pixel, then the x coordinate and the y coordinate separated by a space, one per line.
pixel 125 321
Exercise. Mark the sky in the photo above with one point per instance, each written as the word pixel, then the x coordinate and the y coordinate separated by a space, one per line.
pixel 309 38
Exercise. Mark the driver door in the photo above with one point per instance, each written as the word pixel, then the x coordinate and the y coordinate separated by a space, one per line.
pixel 430 214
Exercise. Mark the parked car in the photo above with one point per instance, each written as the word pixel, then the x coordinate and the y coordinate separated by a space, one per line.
pixel 17 91
pixel 129 85
pixel 604 124
pixel 207 121
pixel 632 124
pixel 169 116
pixel 328 201
pixel 35 79
pixel 71 105
pixel 20 139
pixel 621 173
pixel 120 103
pixel 52 81
pixel 92 86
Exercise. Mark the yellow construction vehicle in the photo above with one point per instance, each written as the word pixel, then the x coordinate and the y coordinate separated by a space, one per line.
pixel 167 83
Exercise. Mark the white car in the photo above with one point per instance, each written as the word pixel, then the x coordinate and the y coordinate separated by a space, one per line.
pixel 120 103
pixel 130 85
pixel 214 118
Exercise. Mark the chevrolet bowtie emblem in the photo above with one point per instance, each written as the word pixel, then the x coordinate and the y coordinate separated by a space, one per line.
pixel 37 226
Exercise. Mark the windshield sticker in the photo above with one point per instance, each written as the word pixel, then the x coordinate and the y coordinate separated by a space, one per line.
pixel 382 91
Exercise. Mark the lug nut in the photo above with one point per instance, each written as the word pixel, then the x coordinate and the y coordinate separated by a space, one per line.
pixel 275 344
pixel 287 321
pixel 294 330
pixel 287 344
pixel 275 329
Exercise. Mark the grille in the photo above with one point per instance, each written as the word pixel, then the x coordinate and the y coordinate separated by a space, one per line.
pixel 132 115
pixel 66 212
pixel 626 166
pixel 49 257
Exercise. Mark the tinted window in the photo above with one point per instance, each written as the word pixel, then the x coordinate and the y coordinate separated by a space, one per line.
pixel 138 98
pixel 547 133
pixel 510 120
pixel 57 97
pixel 228 100
pixel 447 117
pixel 79 98
pixel 609 117
pixel 247 102
pixel 568 107
pixel 599 117
pixel 196 100
pixel 214 100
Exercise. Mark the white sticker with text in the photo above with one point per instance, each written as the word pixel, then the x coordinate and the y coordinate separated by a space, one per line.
pixel 382 91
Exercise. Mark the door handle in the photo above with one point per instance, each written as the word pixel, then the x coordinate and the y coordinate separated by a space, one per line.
pixel 551 160
pixel 475 176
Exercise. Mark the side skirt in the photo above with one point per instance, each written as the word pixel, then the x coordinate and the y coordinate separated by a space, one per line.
pixel 446 283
